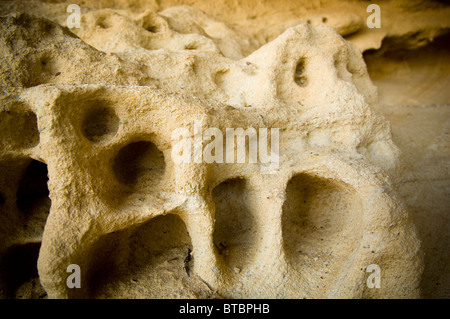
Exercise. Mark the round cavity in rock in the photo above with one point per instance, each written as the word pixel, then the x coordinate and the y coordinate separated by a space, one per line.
pixel 139 163
pixel 320 219
pixel 103 22
pixel 100 123
pixel 150 24
pixel 299 76
pixel 152 28
pixel 235 225
pixel 48 66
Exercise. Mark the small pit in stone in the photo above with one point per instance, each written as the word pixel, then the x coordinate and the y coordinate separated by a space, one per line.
pixel 139 164
pixel 299 76
pixel 103 22
pixel 191 46
pixel 152 28
pixel 100 123
pixel 47 64
pixel 150 24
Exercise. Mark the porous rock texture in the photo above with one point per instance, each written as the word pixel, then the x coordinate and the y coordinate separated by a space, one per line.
pixel 87 175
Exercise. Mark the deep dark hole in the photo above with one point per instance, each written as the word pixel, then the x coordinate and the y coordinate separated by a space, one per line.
pixel 19 265
pixel 33 191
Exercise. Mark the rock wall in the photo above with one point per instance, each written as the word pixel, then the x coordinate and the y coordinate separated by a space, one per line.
pixel 88 169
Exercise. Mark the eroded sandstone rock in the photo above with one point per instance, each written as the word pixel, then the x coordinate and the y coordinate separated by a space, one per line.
pixel 140 225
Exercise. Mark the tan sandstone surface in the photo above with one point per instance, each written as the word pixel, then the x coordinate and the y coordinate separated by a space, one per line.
pixel 87 169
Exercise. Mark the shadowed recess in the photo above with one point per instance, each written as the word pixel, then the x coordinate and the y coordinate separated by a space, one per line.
pixel 32 197
pixel 321 219
pixel 153 260
pixel 18 272
pixel 234 229
pixel 19 129
pixel 299 76
pixel 100 123
pixel 139 163
pixel 150 24
pixel 32 193
pixel 2 199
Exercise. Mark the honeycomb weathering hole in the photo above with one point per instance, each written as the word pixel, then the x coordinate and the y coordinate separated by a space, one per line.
pixel 153 260
pixel 150 24
pixel 103 22
pixel 139 163
pixel 320 220
pixel 21 129
pixel 191 46
pixel 152 28
pixel 234 228
pixel 33 194
pixel 18 272
pixel 299 76
pixel 100 123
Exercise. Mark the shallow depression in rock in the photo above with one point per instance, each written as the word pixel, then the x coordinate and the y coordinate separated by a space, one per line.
pixel 139 164
pixel 154 260
pixel 20 129
pixel 100 123
pixel 235 223
pixel 321 219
